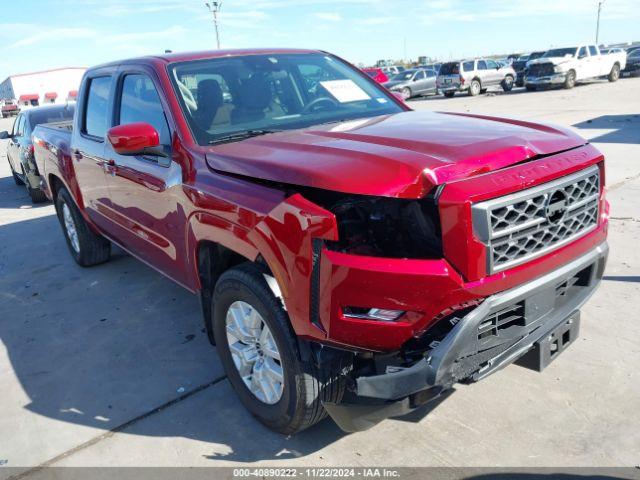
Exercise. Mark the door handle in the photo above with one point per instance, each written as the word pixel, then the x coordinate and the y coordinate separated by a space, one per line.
pixel 77 154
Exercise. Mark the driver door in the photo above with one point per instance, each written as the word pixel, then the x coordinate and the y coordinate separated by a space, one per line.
pixel 146 214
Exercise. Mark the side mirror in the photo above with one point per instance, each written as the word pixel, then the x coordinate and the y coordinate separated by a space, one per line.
pixel 135 139
pixel 4 135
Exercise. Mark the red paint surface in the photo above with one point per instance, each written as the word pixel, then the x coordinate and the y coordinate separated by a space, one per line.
pixel 161 215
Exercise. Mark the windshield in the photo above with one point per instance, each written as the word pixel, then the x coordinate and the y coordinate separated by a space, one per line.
pixel 404 76
pixel 535 55
pixel 635 53
pixel 226 96
pixel 561 52
pixel 521 58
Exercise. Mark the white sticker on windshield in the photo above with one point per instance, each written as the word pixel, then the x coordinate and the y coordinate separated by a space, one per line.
pixel 345 90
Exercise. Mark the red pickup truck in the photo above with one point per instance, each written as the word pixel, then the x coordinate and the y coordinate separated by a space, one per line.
pixel 353 257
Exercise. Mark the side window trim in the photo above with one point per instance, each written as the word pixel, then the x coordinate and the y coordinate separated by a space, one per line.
pixel 85 104
pixel 115 120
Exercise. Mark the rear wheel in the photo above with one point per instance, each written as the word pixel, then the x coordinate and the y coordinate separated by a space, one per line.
pixel 260 354
pixel 614 74
pixel 87 248
pixel 406 93
pixel 474 88
pixel 16 178
pixel 37 195
pixel 570 80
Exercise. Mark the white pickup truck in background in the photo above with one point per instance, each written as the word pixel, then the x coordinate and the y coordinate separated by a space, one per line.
pixel 566 66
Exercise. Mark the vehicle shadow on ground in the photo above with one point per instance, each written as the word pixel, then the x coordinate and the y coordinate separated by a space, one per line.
pixel 624 128
pixel 622 278
pixel 103 346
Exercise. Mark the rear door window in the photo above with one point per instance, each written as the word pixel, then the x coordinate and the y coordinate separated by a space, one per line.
pixel 468 66
pixel 18 126
pixel 482 65
pixel 592 50
pixel 140 102
pixel 95 117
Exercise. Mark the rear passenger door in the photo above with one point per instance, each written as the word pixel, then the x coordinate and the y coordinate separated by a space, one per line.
pixel 148 219
pixel 90 130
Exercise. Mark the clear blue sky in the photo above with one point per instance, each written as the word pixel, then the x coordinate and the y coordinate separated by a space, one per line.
pixel 41 34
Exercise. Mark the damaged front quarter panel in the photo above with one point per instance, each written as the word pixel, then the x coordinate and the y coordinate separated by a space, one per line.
pixel 289 239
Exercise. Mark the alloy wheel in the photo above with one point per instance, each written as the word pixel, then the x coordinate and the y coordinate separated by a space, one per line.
pixel 70 227
pixel 255 352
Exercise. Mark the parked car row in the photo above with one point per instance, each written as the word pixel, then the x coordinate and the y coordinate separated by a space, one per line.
pixel 556 67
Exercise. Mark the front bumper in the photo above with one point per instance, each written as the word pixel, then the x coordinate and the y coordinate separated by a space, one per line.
pixel 545 303
pixel 555 79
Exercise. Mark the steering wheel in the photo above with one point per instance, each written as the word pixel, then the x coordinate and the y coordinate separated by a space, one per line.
pixel 318 101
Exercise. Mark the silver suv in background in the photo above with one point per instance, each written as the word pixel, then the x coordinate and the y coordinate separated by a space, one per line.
pixel 474 76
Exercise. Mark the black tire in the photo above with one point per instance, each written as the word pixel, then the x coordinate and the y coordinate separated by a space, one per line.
pixel 570 80
pixel 36 194
pixel 614 74
pixel 93 248
pixel 531 88
pixel 507 83
pixel 474 88
pixel 304 387
pixel 406 93
pixel 18 181
pixel 449 94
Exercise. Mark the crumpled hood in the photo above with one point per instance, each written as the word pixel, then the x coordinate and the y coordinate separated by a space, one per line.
pixel 553 60
pixel 402 155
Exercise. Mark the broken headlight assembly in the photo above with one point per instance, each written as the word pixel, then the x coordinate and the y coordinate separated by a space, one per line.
pixel 387 227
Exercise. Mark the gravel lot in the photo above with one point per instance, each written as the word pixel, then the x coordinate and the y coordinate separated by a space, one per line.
pixel 109 365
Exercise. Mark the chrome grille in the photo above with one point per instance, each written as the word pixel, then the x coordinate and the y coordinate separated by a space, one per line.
pixel 527 224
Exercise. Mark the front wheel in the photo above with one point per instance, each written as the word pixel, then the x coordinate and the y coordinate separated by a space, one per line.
pixel 614 74
pixel 87 248
pixel 570 80
pixel 507 83
pixel 260 355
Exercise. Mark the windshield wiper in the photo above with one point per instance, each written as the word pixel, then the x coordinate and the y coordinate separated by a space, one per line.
pixel 233 137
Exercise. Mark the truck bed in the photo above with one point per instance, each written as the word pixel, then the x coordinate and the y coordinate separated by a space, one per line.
pixel 51 143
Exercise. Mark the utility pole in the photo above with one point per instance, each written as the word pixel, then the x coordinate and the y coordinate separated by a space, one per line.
pixel 214 8
pixel 600 2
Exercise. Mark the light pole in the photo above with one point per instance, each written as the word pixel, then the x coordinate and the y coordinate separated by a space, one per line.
pixel 214 8
pixel 600 2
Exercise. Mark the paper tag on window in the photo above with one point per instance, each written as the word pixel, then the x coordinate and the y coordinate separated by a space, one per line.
pixel 345 90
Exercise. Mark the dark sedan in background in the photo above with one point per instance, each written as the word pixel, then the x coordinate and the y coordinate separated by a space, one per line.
pixel 20 147
pixel 633 63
